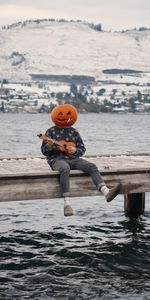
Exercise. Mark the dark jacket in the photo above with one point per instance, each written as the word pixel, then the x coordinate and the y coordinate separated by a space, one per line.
pixel 68 134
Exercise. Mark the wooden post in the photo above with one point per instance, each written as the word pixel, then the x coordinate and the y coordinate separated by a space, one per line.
pixel 134 204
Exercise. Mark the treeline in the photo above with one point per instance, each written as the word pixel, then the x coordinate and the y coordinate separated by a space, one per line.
pixel 97 27
pixel 142 28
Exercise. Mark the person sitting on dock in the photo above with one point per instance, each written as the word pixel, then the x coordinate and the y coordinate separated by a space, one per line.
pixel 63 147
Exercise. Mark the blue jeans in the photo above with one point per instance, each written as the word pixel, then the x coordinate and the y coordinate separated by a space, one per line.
pixel 63 166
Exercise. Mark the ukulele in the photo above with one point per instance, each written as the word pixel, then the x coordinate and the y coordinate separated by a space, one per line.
pixel 61 145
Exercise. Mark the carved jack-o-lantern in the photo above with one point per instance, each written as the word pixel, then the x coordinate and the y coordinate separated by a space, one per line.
pixel 64 115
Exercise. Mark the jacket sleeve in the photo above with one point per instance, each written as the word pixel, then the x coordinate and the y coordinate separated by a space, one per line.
pixel 47 151
pixel 79 146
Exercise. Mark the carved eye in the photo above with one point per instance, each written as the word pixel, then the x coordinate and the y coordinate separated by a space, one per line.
pixel 60 113
pixel 69 113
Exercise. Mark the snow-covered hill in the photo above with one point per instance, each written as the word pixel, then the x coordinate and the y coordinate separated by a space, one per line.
pixel 73 48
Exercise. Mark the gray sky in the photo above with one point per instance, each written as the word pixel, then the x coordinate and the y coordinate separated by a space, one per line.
pixel 112 14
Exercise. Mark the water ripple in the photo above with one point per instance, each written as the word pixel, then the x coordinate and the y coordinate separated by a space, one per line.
pixel 99 254
pixel 81 262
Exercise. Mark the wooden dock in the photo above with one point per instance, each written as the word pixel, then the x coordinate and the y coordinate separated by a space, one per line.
pixel 31 178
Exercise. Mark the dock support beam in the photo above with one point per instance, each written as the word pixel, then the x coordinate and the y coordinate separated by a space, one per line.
pixel 134 204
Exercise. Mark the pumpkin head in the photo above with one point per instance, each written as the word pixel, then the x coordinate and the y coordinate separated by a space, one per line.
pixel 64 115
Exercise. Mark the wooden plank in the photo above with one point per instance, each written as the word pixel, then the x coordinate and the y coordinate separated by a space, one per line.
pixel 39 164
pixel 18 183
pixel 46 185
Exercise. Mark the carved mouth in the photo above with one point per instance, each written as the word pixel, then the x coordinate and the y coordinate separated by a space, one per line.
pixel 62 120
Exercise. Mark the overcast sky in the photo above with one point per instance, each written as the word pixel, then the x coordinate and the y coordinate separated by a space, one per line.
pixel 112 14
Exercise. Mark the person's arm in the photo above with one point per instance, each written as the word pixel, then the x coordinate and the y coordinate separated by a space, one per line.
pixel 47 147
pixel 80 148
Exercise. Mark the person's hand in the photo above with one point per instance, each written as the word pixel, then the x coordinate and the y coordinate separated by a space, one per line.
pixel 71 149
pixel 50 143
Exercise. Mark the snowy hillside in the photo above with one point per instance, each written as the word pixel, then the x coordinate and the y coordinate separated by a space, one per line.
pixel 73 49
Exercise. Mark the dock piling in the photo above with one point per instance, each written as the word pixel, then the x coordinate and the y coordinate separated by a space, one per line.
pixel 134 204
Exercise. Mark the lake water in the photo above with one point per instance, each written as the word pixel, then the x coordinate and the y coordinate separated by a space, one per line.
pixel 96 254
pixel 102 133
